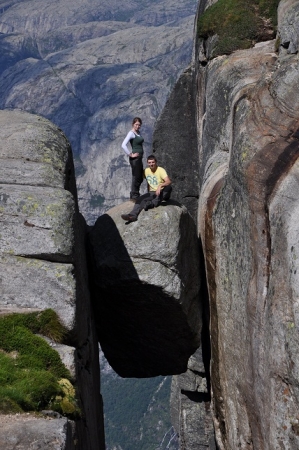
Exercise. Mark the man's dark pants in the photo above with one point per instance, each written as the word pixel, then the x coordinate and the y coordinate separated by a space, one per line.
pixel 150 200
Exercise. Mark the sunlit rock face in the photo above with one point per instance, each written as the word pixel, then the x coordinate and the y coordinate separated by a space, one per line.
pixel 146 283
pixel 37 211
pixel 248 205
pixel 42 261
pixel 247 209
pixel 247 132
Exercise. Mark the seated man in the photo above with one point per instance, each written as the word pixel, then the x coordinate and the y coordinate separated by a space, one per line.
pixel 158 185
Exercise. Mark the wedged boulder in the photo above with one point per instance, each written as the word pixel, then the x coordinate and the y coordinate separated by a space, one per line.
pixel 146 280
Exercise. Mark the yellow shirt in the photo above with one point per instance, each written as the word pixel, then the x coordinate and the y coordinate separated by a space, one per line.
pixel 155 178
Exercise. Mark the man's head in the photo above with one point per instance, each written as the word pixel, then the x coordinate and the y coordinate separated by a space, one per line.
pixel 152 162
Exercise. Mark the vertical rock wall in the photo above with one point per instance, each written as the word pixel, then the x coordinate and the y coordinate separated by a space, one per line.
pixel 247 137
pixel 175 145
pixel 174 141
pixel 246 220
pixel 42 258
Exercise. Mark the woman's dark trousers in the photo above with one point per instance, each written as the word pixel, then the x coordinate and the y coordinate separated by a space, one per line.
pixel 137 176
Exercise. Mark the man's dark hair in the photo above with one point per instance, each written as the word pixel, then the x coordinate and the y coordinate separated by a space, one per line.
pixel 151 157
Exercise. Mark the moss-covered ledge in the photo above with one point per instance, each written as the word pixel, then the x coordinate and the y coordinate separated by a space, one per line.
pixel 32 375
pixel 239 24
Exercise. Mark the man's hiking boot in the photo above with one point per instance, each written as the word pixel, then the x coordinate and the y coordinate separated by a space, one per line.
pixel 128 217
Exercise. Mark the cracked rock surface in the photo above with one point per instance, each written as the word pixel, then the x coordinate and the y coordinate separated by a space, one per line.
pixel 36 216
pixel 42 265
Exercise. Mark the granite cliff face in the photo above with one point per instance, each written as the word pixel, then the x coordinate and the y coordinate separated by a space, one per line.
pixel 90 67
pixel 244 107
pixel 43 265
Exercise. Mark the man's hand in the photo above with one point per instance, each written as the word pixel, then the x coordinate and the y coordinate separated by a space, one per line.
pixel 134 155
pixel 158 190
pixel 166 182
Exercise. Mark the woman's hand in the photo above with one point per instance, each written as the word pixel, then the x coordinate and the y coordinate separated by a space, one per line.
pixel 134 155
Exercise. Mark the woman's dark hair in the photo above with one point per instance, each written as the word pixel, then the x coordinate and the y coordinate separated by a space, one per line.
pixel 136 119
pixel 151 157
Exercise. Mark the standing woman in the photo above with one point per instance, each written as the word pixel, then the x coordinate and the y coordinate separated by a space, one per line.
pixel 135 156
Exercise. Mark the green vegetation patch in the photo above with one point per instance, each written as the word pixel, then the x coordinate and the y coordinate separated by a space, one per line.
pixel 239 24
pixel 30 370
pixel 268 9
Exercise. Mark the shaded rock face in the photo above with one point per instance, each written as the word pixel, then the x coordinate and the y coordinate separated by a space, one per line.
pixel 145 289
pixel 42 258
pixel 191 406
pixel 22 432
pixel 175 138
pixel 90 67
pixel 247 132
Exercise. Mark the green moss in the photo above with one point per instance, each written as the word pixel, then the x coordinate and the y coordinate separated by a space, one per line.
pixel 30 370
pixel 238 23
pixel 46 323
pixel 8 406
pixel 268 9
pixel 67 402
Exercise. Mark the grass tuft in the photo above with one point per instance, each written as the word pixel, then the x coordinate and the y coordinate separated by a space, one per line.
pixel 30 370
pixel 239 24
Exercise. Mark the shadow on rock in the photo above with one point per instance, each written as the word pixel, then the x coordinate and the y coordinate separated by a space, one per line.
pixel 145 290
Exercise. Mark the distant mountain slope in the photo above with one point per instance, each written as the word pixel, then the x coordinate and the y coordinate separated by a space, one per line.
pixel 136 412
pixel 90 67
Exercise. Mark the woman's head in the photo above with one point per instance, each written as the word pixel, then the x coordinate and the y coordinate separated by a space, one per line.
pixel 136 124
pixel 136 119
